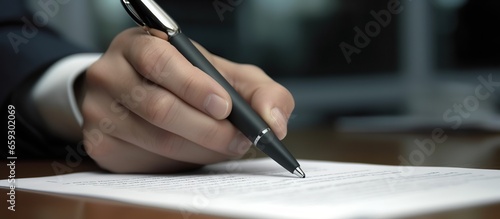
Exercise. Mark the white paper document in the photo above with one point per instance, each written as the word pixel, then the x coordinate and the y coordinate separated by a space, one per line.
pixel 261 188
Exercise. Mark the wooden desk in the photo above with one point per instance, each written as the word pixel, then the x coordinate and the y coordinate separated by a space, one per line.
pixel 459 150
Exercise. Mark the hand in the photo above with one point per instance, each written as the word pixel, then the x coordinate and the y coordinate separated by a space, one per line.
pixel 147 109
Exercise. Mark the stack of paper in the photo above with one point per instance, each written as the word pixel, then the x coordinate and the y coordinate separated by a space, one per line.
pixel 261 188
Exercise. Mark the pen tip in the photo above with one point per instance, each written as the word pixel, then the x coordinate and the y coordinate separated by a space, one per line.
pixel 298 172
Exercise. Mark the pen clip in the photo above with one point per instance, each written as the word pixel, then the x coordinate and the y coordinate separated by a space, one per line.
pixel 150 16
pixel 133 14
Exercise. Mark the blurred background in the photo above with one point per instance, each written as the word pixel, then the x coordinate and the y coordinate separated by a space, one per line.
pixel 352 65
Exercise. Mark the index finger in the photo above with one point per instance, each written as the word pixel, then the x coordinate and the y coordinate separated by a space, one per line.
pixel 160 62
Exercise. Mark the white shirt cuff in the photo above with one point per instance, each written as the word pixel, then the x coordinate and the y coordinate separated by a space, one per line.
pixel 54 98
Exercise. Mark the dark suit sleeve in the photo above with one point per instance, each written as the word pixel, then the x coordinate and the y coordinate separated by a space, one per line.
pixel 26 50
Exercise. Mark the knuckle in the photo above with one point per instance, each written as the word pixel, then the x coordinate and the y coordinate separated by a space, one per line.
pixel 167 145
pixel 214 136
pixel 96 74
pixel 152 59
pixel 89 115
pixel 123 37
pixel 161 110
pixel 90 112
pixel 251 68
pixel 190 86
pixel 96 148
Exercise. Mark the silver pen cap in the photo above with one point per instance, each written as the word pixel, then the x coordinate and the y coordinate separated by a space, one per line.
pixel 150 16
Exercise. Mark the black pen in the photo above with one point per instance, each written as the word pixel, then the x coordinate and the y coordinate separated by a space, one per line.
pixel 149 15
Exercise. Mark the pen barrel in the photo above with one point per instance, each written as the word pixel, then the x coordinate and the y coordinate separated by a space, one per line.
pixel 242 116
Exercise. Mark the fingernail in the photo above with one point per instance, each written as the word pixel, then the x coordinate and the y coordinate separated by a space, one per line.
pixel 280 122
pixel 240 144
pixel 216 106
